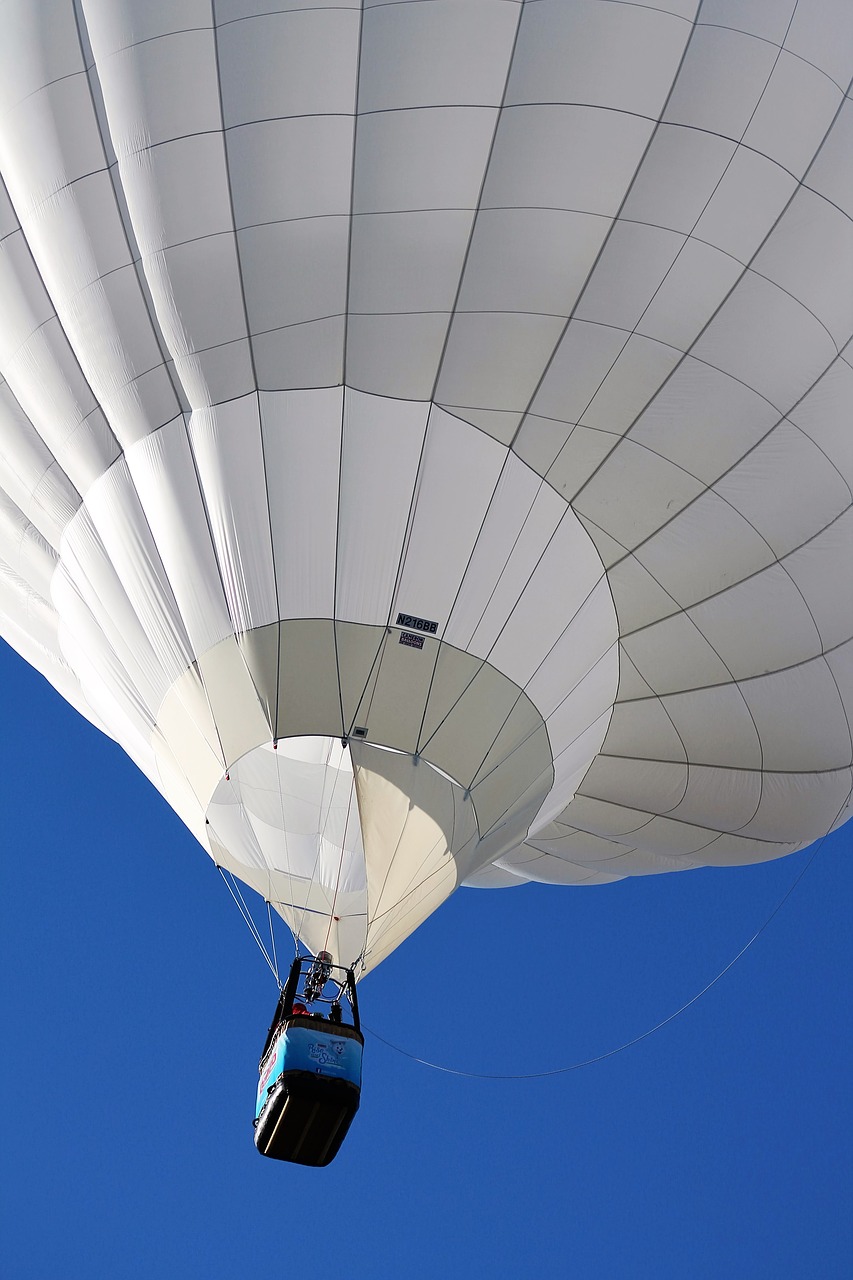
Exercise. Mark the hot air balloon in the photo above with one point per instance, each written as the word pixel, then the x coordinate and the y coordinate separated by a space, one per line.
pixel 425 430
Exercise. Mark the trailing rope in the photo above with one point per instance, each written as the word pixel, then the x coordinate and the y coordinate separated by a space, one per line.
pixel 573 1066
pixel 628 1044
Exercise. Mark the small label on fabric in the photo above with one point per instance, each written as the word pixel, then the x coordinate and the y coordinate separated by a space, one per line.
pixel 417 624
pixel 413 641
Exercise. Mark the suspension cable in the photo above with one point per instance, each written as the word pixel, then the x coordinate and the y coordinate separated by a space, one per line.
pixel 320 837
pixel 244 912
pixel 340 863
pixel 272 944
pixel 286 850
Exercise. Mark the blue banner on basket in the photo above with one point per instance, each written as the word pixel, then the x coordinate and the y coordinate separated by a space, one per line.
pixel 303 1049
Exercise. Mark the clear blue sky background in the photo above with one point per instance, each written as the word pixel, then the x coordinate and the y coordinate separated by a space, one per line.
pixel 134 1005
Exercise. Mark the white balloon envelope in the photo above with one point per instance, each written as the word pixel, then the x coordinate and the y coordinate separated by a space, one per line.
pixel 425 430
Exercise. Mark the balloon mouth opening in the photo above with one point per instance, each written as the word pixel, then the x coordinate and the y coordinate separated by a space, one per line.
pixel 351 843
pixel 291 807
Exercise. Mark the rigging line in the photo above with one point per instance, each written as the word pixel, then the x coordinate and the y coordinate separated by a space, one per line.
pixel 340 862
pixel 320 835
pixel 611 1053
pixel 249 921
pixel 284 834
pixel 255 930
pixel 272 942
pixel 247 915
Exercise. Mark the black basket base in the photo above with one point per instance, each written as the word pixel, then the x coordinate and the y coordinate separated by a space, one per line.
pixel 306 1118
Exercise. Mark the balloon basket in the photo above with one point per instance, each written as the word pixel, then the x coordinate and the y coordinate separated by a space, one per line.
pixel 310 1070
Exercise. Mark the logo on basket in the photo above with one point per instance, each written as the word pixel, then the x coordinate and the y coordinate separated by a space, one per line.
pixel 328 1054
pixel 267 1073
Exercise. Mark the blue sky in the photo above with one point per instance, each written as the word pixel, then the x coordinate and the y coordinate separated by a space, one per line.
pixel 134 1005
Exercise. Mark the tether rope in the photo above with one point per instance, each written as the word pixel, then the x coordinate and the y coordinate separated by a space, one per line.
pixel 610 1053
pixel 573 1066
